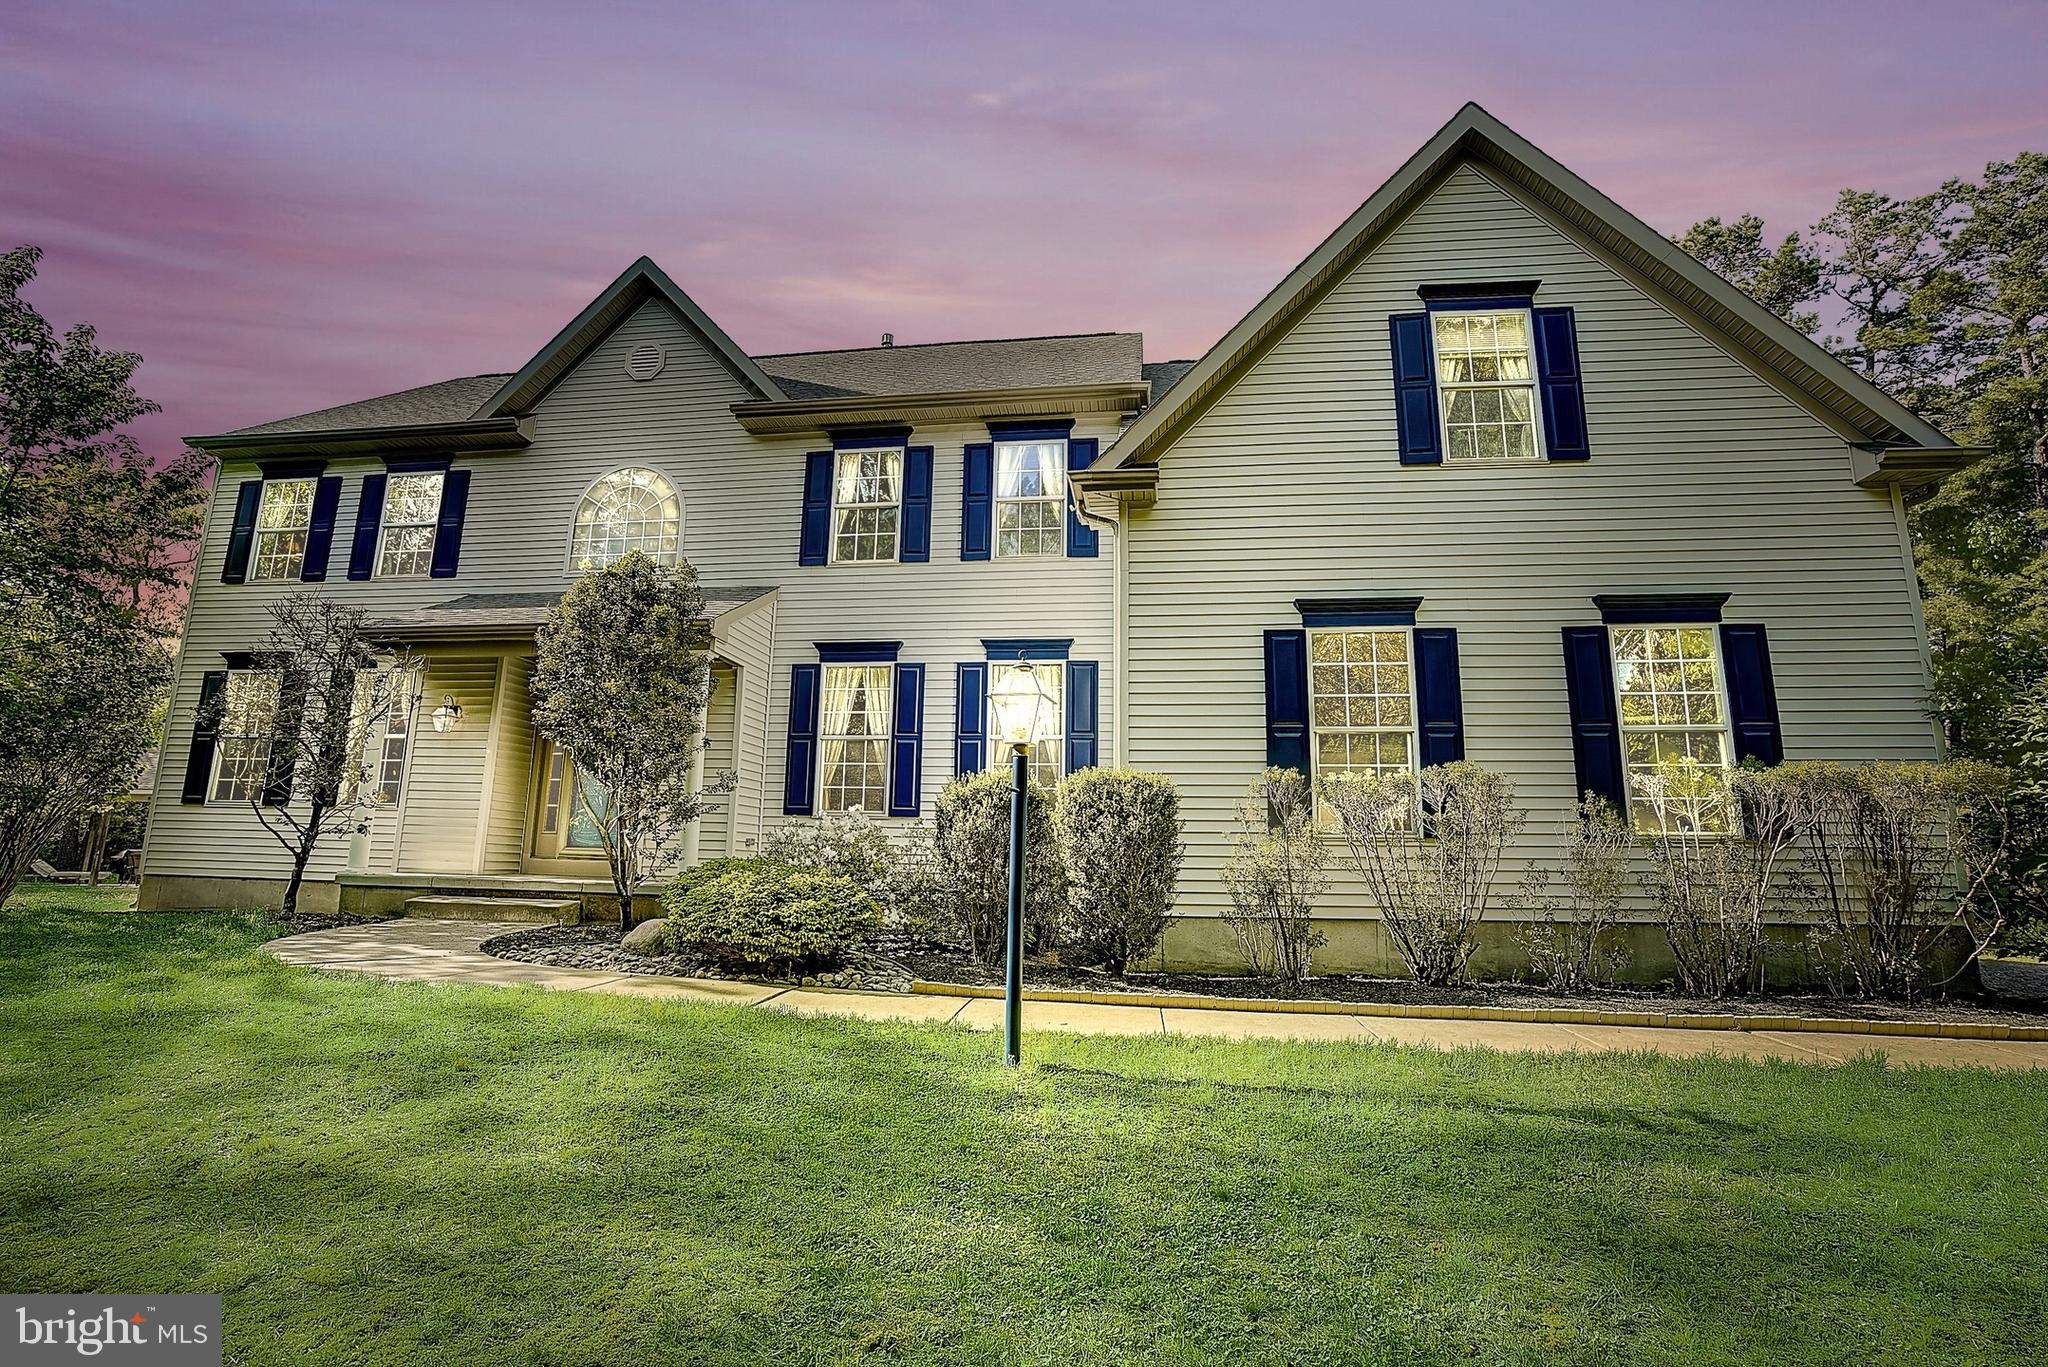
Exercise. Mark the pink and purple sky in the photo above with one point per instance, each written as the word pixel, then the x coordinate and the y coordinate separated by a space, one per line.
pixel 285 205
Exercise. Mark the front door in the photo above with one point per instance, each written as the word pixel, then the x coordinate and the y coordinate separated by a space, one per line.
pixel 567 809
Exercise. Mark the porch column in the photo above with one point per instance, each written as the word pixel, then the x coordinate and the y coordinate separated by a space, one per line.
pixel 689 846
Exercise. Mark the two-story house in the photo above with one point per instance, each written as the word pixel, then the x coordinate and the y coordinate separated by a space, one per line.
pixel 1497 472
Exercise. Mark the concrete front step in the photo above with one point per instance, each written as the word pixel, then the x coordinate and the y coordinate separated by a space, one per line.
pixel 514 910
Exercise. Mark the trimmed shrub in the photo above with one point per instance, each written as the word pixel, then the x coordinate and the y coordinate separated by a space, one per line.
pixel 1275 873
pixel 690 879
pixel 769 917
pixel 900 873
pixel 1120 837
pixel 972 845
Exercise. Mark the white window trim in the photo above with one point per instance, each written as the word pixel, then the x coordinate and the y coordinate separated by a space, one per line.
pixel 1444 388
pixel 887 735
pixel 213 797
pixel 569 564
pixel 1315 732
pixel 996 499
pixel 1622 728
pixel 902 455
pixel 433 524
pixel 304 529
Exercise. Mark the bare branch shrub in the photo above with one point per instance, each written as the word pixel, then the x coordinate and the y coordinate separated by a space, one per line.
pixel 1567 938
pixel 1428 846
pixel 1713 866
pixel 1898 857
pixel 1275 873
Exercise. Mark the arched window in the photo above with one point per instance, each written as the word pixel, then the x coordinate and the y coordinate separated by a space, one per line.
pixel 627 510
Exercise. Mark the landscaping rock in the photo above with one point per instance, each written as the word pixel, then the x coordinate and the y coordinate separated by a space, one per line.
pixel 649 937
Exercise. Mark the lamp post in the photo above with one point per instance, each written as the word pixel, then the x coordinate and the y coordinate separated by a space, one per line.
pixel 1022 710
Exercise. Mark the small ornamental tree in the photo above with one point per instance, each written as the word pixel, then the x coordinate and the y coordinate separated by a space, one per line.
pixel 621 679
pixel 321 692
pixel 1120 836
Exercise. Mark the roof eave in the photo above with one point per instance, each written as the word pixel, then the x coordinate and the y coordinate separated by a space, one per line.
pixel 815 415
pixel 1124 487
pixel 641 281
pixel 1908 468
pixel 475 434
pixel 1858 407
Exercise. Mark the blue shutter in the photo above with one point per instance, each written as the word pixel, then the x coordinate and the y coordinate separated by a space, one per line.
pixel 1564 393
pixel 205 735
pixel 285 729
pixel 1439 704
pixel 362 552
pixel 1752 697
pixel 977 500
pixel 1287 700
pixel 1083 722
pixel 800 759
pixel 242 536
pixel 817 524
pixel 1596 734
pixel 1415 389
pixel 970 719
pixel 320 537
pixel 915 545
pixel 448 536
pixel 906 744
pixel 1081 538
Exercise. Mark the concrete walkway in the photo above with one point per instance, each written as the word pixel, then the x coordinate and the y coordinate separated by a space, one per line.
pixel 447 952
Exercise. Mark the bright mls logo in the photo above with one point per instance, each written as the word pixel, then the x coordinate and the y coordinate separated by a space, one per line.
pixel 165 1331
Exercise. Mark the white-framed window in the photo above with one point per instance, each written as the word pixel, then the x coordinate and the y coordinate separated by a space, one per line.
pixel 1486 385
pixel 634 509
pixel 853 738
pixel 867 504
pixel 1672 699
pixel 1031 497
pixel 379 776
pixel 1048 757
pixel 241 749
pixel 284 520
pixel 574 807
pixel 1361 700
pixel 412 512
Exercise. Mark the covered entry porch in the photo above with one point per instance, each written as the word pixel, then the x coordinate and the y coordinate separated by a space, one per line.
pixel 483 807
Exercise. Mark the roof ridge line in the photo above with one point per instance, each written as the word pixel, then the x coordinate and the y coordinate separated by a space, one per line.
pixel 962 341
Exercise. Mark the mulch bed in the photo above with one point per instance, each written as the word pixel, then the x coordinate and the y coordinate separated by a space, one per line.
pixel 891 961
pixel 306 922
pixel 875 965
pixel 959 968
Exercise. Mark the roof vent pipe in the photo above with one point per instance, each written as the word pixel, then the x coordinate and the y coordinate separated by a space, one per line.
pixel 888 339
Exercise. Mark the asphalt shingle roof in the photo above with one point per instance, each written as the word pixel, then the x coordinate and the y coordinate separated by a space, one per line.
pixel 952 367
pixel 448 401
pixel 920 368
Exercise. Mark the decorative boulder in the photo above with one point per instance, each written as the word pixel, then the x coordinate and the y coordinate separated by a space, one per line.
pixel 649 937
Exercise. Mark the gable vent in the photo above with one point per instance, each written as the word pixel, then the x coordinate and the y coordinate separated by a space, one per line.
pixel 645 363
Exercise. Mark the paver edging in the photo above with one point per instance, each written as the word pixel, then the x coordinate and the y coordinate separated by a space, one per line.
pixel 1821 1025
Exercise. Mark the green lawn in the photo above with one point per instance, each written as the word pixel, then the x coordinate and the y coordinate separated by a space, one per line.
pixel 375 1173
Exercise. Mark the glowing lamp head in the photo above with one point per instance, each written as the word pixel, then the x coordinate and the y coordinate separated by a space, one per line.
pixel 1022 708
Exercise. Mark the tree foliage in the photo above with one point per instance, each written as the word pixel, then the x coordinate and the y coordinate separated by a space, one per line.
pixel 90 540
pixel 335 697
pixel 621 680
pixel 1120 834
pixel 1784 279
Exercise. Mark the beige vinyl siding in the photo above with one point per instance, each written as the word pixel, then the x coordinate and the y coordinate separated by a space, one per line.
pixel 1703 477
pixel 742 504
pixel 747 642
pixel 441 823
pixel 715 836
pixel 511 768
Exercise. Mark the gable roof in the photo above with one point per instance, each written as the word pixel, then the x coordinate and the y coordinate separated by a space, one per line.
pixel 1801 366
pixel 643 280
pixel 447 401
pixel 959 367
